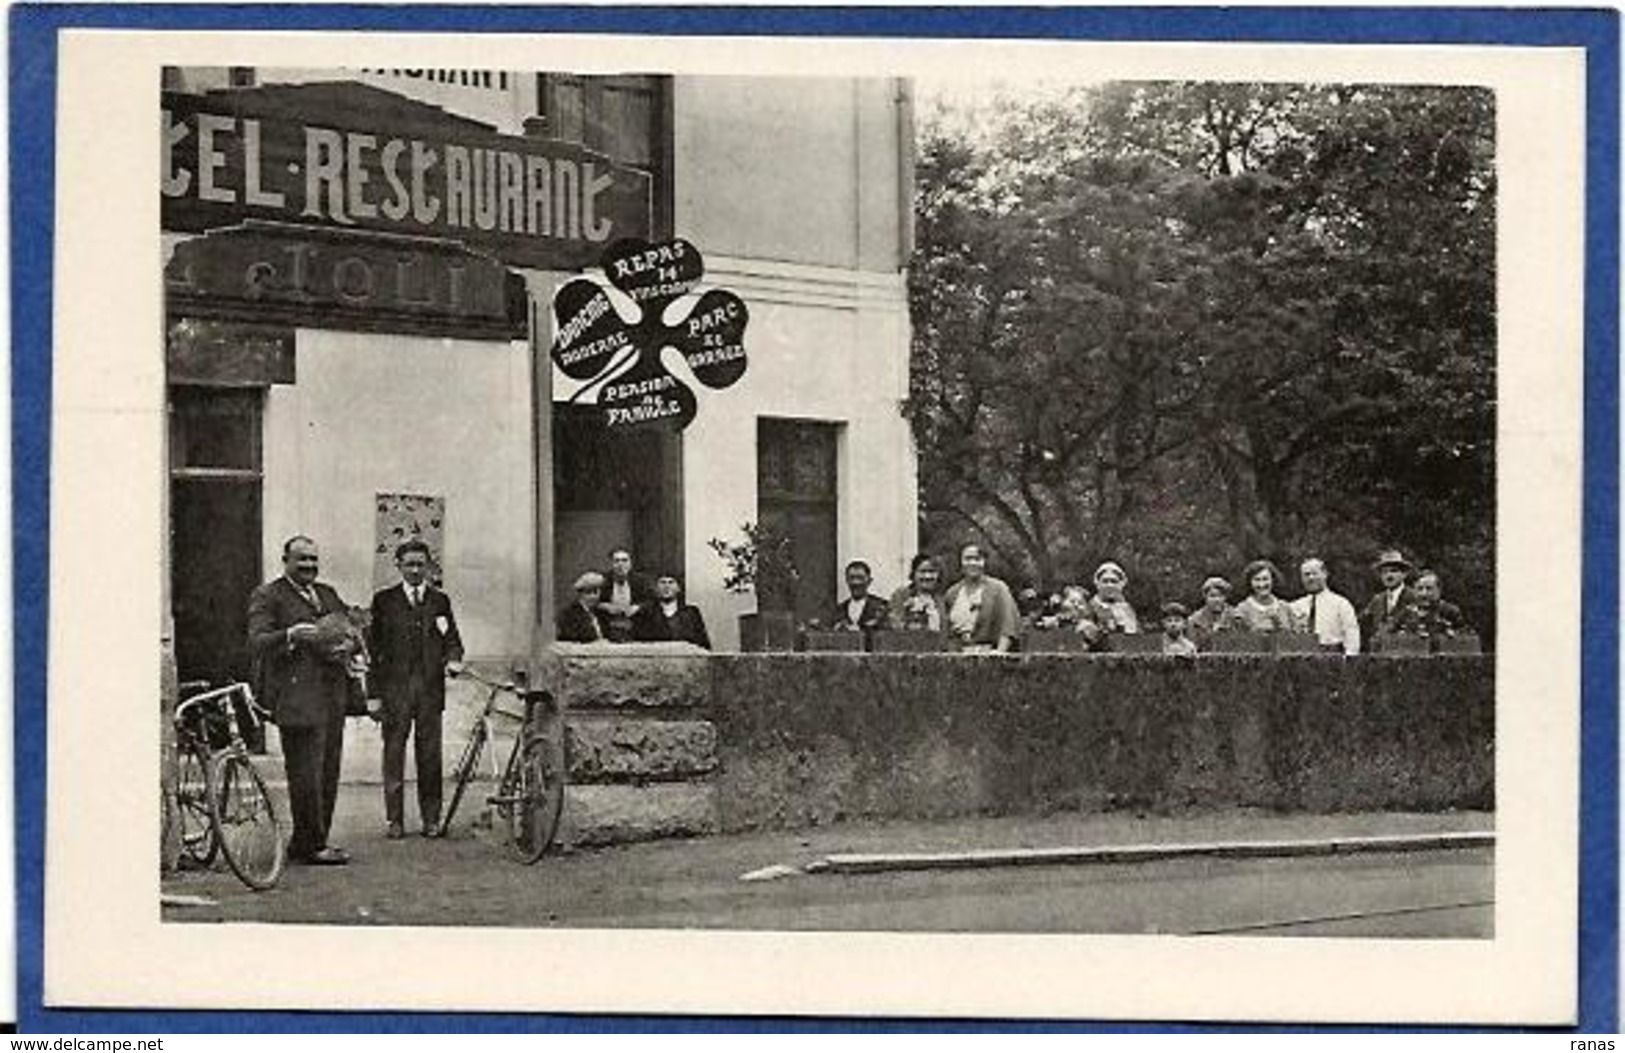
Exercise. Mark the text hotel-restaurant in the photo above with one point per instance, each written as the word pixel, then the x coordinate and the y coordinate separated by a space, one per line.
pixel 350 257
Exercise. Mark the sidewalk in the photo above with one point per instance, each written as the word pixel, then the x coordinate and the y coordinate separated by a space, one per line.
pixel 467 880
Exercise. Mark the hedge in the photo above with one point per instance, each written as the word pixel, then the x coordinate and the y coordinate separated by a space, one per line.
pixel 807 739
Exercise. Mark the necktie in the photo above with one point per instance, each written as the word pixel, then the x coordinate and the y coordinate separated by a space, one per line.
pixel 417 595
pixel 1314 623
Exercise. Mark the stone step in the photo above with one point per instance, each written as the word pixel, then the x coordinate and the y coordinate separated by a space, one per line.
pixel 629 676
pixel 610 814
pixel 601 749
pixel 608 749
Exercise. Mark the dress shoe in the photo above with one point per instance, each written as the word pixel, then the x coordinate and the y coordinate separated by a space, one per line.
pixel 328 857
pixel 432 829
pixel 395 832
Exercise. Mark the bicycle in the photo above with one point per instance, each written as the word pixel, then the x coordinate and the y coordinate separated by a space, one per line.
pixel 530 787
pixel 222 801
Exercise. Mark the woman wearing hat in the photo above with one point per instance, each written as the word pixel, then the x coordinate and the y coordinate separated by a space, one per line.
pixel 1382 614
pixel 1215 615
pixel 578 621
pixel 1261 611
pixel 1109 609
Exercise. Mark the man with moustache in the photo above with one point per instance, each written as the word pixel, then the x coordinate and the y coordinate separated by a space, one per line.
pixel 305 689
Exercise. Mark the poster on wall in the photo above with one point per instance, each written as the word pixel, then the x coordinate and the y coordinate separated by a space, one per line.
pixel 408 517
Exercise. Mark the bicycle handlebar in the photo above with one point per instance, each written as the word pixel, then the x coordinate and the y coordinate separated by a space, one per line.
pixel 496 685
pixel 217 695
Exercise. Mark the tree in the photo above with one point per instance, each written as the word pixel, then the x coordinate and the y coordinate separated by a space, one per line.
pixel 1197 323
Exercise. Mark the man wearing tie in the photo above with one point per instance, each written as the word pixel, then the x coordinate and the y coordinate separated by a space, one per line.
pixel 414 641
pixel 298 680
pixel 1323 612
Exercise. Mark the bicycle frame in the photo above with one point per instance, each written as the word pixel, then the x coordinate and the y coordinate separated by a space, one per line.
pixel 528 785
pixel 481 743
pixel 234 793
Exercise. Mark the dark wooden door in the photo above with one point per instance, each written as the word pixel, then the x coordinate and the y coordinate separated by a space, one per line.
pixel 215 485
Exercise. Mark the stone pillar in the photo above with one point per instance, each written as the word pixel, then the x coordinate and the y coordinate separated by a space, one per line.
pixel 640 743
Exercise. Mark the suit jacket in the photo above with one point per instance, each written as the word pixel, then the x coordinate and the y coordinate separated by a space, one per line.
pixel 405 640
pixel 872 618
pixel 301 686
pixel 576 624
pixel 1377 620
pixel 620 627
pixel 651 623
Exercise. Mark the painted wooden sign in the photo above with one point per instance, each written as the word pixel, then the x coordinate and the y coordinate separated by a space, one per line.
pixel 613 333
pixel 357 157
pixel 331 279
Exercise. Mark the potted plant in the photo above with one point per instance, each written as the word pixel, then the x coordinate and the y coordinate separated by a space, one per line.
pixel 763 563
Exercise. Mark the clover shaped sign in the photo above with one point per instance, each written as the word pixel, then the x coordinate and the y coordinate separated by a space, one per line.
pixel 621 358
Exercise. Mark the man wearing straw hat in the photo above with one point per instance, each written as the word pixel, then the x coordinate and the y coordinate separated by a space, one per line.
pixel 1381 615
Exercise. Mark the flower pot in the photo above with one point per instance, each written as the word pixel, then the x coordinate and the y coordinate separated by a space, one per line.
pixel 767 631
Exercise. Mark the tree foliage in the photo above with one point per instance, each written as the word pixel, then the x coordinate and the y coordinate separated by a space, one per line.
pixel 1184 325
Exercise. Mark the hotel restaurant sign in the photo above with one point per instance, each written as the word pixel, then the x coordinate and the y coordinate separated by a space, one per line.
pixel 352 157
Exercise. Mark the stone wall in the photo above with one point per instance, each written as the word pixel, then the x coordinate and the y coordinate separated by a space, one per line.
pixel 666 740
pixel 810 739
pixel 641 748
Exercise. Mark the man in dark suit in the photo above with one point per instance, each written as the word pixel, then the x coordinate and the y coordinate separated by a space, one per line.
pixel 860 611
pixel 624 592
pixel 667 617
pixel 578 621
pixel 305 689
pixel 1382 613
pixel 414 641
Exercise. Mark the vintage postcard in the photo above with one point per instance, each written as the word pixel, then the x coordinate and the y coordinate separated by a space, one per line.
pixel 616 523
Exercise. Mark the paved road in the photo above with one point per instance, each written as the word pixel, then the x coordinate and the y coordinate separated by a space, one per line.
pixel 465 881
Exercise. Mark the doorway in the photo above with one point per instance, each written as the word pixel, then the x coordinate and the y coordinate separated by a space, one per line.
pixel 615 488
pixel 215 483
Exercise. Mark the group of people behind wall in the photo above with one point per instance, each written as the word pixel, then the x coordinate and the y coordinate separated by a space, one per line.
pixel 979 612
pixel 315 657
pixel 620 606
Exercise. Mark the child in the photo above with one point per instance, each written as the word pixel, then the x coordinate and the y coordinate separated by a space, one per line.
pixel 1174 640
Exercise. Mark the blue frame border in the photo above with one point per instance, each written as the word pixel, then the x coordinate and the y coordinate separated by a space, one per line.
pixel 33 73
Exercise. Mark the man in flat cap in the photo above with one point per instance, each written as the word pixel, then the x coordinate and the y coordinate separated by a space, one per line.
pixel 578 620
pixel 1381 615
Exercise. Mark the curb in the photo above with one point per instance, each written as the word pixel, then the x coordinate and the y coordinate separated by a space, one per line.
pixel 890 862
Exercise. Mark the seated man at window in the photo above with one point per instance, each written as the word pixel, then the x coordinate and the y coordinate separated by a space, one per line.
pixel 624 592
pixel 860 612
pixel 667 617
pixel 578 621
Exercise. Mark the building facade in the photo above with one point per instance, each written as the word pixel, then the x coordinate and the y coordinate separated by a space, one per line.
pixel 356 263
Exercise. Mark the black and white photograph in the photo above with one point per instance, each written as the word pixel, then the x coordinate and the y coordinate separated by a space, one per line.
pixel 885 503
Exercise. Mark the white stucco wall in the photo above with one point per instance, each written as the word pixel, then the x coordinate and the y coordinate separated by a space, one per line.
pixel 793 189
pixel 793 169
pixel 824 345
pixel 374 414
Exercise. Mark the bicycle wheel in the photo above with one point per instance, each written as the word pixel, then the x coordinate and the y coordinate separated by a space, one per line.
pixel 246 823
pixel 533 798
pixel 198 841
pixel 463 774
